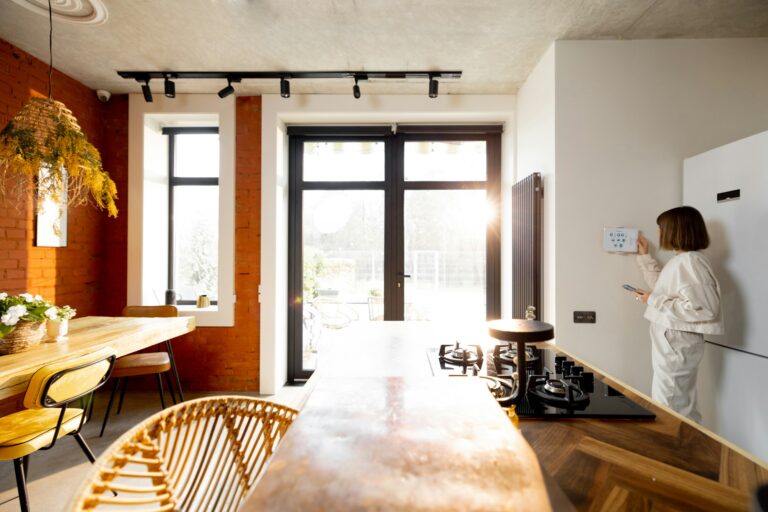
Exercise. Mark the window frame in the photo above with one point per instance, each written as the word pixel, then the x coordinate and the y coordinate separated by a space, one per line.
pixel 394 186
pixel 175 181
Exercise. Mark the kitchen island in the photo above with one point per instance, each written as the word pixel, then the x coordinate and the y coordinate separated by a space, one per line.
pixel 669 463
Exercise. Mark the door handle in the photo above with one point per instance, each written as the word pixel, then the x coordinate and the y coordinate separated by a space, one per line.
pixel 400 274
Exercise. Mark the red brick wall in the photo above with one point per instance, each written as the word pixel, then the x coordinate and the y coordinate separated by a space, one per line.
pixel 114 232
pixel 222 358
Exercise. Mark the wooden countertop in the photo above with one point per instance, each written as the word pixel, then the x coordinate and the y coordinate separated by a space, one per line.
pixel 667 464
pixel 87 334
pixel 401 443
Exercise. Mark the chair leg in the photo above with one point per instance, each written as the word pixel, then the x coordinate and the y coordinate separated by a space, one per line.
pixel 90 406
pixel 170 386
pixel 160 389
pixel 169 349
pixel 83 446
pixel 109 406
pixel 122 394
pixel 21 483
pixel 25 464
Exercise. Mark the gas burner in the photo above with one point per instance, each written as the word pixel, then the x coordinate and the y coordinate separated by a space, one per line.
pixel 558 392
pixel 500 388
pixel 556 387
pixel 461 356
pixel 508 354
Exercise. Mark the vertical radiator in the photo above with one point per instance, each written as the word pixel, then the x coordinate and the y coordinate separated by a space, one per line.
pixel 527 195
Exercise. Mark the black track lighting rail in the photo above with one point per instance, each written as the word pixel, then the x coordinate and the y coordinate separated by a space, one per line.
pixel 284 76
pixel 142 76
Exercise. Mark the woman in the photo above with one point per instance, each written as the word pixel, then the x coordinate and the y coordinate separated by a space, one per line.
pixel 683 306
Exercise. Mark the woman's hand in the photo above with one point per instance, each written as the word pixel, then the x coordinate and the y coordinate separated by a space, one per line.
pixel 642 245
pixel 642 295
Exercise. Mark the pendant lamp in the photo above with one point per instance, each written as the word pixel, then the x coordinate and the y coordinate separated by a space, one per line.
pixel 44 148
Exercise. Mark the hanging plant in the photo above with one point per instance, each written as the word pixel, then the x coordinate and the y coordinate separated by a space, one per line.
pixel 45 135
pixel 43 149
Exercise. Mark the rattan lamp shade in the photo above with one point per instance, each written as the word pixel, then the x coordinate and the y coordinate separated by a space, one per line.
pixel 42 116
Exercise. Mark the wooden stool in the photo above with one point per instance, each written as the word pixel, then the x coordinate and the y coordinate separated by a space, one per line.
pixel 156 363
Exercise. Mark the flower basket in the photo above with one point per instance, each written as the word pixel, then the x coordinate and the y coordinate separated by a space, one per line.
pixel 25 335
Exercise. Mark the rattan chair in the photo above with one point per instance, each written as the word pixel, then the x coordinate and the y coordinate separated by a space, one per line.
pixel 146 363
pixel 47 416
pixel 203 454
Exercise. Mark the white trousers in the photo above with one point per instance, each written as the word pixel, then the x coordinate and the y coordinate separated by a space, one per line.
pixel 676 356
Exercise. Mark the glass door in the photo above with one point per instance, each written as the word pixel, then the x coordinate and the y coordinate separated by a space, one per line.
pixel 387 226
pixel 446 215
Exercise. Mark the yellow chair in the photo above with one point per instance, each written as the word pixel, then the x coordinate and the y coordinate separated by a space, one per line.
pixel 148 363
pixel 47 416
pixel 204 454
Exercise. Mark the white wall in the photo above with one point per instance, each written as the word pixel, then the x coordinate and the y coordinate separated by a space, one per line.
pixel 536 153
pixel 627 114
pixel 279 112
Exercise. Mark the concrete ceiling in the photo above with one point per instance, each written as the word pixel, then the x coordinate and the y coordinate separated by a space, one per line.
pixel 495 43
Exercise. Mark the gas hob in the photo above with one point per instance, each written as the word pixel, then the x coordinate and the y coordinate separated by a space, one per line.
pixel 557 386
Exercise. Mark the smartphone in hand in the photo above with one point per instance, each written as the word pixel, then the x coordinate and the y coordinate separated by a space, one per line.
pixel 629 288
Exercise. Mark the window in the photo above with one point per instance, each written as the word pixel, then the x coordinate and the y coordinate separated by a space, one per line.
pixel 193 214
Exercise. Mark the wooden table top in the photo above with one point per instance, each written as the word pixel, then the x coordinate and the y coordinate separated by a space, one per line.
pixel 398 443
pixel 87 334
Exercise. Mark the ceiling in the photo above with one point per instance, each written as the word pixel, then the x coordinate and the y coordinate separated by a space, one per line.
pixel 495 43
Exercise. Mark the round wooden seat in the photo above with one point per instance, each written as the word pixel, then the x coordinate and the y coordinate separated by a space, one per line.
pixel 142 364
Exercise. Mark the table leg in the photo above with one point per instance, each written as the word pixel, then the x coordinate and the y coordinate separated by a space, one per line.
pixel 173 369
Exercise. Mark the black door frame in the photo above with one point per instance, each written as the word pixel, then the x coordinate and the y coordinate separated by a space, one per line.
pixel 394 187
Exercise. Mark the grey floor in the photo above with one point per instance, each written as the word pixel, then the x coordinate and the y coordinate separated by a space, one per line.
pixel 56 474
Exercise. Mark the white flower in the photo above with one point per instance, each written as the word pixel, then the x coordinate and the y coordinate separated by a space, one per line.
pixel 38 297
pixel 52 313
pixel 3 296
pixel 27 297
pixel 17 311
pixel 8 319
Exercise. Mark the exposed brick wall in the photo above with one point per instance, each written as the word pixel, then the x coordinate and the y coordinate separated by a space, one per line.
pixel 113 280
pixel 222 358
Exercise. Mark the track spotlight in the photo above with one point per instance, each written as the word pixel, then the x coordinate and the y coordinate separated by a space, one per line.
pixel 432 88
pixel 170 88
pixel 356 90
pixel 285 88
pixel 146 91
pixel 227 90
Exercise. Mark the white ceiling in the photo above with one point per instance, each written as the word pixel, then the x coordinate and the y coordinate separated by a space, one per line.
pixel 495 43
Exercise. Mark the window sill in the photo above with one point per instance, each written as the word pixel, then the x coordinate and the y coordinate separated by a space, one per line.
pixel 212 316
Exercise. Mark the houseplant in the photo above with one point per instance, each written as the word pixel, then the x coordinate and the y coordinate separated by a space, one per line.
pixel 22 321
pixel 58 327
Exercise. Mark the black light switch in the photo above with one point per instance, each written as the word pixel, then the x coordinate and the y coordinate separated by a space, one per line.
pixel 584 317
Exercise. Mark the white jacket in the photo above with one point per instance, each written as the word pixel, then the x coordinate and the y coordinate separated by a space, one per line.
pixel 686 294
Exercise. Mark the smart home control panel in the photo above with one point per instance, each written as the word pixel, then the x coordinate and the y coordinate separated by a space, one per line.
pixel 620 239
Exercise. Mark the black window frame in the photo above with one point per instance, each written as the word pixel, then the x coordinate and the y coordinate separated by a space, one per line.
pixel 174 181
pixel 394 187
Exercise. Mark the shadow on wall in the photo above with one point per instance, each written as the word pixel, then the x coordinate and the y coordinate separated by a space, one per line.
pixel 732 304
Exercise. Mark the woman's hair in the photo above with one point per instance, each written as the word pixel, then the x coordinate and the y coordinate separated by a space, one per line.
pixel 682 229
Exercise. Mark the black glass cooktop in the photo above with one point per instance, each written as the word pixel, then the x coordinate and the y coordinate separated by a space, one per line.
pixel 557 386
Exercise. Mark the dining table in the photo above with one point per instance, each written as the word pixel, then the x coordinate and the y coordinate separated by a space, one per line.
pixel 88 334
